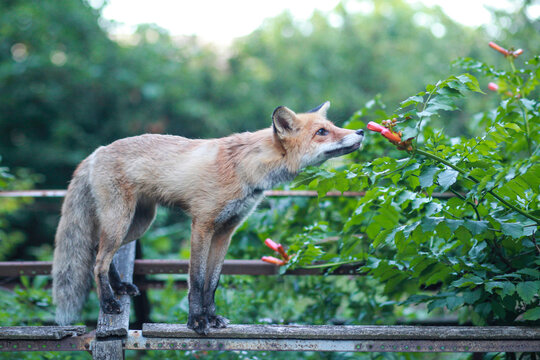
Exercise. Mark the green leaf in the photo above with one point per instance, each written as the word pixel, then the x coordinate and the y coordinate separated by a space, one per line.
pixel 439 274
pixel 527 290
pixel 441 103
pixel 463 234
pixel 447 178
pixel 453 302
pixel 409 132
pixel 25 281
pixel 425 113
pixel 429 223
pixel 508 289
pixel 413 100
pixel 476 227
pixel 470 297
pixel 513 126
pixel 514 230
pixel 467 281
pixel 532 314
pixel 432 208
pixel 471 82
pixel 415 299
pixel 453 224
pixel 489 286
pixel 427 175
pixel 437 304
pixel 530 272
pixel 386 236
pixel 529 104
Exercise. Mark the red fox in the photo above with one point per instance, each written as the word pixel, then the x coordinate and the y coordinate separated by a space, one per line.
pixel 112 200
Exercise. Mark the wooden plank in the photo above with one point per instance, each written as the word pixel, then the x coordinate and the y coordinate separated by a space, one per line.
pixel 135 341
pixel 348 332
pixel 39 332
pixel 118 324
pixel 107 350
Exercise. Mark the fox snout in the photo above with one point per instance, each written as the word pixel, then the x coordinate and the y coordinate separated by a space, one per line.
pixel 345 145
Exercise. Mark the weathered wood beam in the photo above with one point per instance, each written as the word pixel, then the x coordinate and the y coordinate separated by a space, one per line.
pixel 348 332
pixel 39 332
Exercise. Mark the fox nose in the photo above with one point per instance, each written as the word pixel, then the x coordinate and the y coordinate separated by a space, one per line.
pixel 360 132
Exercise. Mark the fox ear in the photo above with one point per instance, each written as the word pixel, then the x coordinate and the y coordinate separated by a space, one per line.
pixel 321 109
pixel 283 121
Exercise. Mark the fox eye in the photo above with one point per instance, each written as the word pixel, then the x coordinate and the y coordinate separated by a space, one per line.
pixel 322 132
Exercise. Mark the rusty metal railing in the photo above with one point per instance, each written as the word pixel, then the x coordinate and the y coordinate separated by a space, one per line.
pixel 152 267
pixel 269 193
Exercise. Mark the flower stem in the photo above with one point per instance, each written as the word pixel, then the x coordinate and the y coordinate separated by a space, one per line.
pixel 519 94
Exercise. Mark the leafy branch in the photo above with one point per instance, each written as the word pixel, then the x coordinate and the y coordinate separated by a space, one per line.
pixel 473 179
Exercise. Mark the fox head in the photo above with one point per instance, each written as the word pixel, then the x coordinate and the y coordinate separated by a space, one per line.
pixel 310 138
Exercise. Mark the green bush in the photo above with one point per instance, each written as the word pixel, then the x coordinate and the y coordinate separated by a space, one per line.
pixel 475 253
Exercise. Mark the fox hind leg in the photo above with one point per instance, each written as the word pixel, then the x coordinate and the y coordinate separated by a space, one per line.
pixel 144 215
pixel 115 217
pixel 121 287
pixel 104 257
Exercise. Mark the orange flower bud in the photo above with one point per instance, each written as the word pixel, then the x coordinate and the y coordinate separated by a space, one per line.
pixel 391 136
pixel 517 52
pixel 273 260
pixel 282 252
pixel 498 48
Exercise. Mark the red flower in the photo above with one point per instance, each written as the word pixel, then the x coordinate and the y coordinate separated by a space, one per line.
pixel 373 126
pixel 493 87
pixel 271 244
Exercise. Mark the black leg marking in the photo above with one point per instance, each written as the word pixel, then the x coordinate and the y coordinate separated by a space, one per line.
pixel 214 320
pixel 197 319
pixel 218 321
pixel 198 323
pixel 108 303
pixel 120 287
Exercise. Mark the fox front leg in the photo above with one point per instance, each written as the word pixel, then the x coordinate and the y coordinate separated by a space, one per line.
pixel 201 237
pixel 216 256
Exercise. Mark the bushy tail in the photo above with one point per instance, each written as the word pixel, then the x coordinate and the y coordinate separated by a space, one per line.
pixel 74 253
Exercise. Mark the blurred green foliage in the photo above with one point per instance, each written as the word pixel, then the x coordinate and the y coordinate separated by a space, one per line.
pixel 67 88
pixel 9 207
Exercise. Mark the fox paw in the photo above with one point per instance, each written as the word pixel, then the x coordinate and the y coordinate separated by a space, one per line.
pixel 199 324
pixel 125 288
pixel 217 321
pixel 111 306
